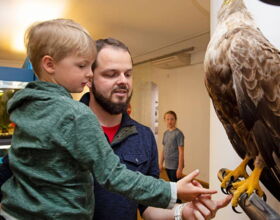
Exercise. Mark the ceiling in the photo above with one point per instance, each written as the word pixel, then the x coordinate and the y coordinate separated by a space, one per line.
pixel 150 28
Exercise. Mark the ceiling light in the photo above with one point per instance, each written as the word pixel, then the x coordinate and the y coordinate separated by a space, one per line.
pixel 23 13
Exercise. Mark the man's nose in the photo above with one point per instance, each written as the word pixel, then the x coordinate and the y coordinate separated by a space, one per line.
pixel 122 78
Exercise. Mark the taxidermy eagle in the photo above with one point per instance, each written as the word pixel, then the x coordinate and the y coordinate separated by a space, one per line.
pixel 243 80
pixel 272 2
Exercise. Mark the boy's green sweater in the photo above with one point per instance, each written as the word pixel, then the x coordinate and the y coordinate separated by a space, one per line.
pixel 56 148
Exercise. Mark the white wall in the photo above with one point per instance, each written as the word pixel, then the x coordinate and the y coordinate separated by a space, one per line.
pixel 182 90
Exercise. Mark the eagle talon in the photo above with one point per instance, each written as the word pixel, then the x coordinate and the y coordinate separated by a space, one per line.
pixel 228 188
pixel 231 181
pixel 264 197
pixel 233 208
pixel 225 172
pixel 229 185
pixel 224 191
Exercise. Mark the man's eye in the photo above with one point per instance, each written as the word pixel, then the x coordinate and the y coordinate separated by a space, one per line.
pixel 128 74
pixel 110 74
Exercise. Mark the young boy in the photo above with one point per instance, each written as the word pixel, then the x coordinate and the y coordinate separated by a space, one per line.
pixel 58 143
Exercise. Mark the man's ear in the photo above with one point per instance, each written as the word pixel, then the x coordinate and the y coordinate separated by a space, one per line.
pixel 48 64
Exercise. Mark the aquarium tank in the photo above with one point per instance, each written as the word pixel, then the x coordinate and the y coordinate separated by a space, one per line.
pixel 11 80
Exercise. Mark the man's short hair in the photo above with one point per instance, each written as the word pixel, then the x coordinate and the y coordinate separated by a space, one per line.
pixel 109 42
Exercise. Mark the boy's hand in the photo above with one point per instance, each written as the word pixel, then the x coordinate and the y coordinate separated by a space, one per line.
pixel 188 189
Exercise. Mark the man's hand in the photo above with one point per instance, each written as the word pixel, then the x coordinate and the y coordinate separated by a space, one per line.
pixel 188 189
pixel 204 208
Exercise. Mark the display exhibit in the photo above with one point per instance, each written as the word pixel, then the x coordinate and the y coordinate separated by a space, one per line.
pixel 12 79
pixel 243 78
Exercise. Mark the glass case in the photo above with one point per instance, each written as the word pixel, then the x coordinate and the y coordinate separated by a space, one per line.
pixel 7 90
pixel 11 80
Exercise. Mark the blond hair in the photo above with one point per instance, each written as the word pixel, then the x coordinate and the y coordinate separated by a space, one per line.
pixel 57 38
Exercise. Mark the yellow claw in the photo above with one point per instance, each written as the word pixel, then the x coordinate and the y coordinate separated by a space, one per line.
pixel 247 186
pixel 233 175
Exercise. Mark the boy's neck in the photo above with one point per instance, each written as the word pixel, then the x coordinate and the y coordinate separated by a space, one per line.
pixel 46 78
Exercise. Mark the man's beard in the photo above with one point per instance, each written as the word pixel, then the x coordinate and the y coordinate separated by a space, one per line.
pixel 109 106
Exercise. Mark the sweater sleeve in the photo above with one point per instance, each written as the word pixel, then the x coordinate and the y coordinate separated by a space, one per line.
pixel 89 147
pixel 153 169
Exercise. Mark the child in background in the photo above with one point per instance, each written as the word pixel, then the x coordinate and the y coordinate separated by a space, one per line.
pixel 173 148
pixel 58 144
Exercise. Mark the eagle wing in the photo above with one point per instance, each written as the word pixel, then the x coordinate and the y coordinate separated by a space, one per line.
pixel 255 66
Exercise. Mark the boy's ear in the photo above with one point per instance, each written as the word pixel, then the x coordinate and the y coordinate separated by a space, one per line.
pixel 48 64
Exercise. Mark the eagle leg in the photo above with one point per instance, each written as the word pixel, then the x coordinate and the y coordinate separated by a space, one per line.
pixel 248 186
pixel 233 175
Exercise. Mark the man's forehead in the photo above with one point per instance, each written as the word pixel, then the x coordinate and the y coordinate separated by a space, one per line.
pixel 111 50
pixel 114 56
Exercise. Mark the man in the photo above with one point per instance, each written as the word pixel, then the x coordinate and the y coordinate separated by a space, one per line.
pixel 109 96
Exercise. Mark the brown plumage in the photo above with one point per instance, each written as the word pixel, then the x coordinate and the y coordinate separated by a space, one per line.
pixel 243 80
pixel 272 2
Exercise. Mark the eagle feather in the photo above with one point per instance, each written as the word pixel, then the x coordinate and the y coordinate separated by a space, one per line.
pixel 243 80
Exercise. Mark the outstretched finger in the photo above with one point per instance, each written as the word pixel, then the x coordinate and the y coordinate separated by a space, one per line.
pixel 206 191
pixel 192 175
pixel 205 196
pixel 223 202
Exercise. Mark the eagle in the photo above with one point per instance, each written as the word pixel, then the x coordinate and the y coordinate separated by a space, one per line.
pixel 272 2
pixel 242 76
